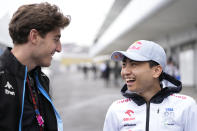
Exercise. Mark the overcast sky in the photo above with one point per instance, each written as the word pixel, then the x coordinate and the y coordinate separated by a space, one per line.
pixel 86 17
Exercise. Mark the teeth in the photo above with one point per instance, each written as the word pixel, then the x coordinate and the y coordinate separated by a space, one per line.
pixel 128 80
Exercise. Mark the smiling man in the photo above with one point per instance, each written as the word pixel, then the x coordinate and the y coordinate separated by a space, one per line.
pixel 148 105
pixel 35 30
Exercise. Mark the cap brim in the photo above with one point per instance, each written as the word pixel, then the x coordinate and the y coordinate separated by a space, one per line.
pixel 119 55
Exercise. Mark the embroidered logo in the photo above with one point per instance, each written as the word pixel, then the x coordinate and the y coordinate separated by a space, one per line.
pixel 123 101
pixel 9 89
pixel 8 85
pixel 129 112
pixel 118 56
pixel 179 96
pixel 135 46
pixel 168 117
pixel 130 116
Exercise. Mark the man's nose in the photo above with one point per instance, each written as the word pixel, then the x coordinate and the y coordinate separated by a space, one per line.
pixel 126 70
pixel 59 47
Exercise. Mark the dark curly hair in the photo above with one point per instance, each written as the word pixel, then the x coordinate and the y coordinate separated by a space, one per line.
pixel 43 17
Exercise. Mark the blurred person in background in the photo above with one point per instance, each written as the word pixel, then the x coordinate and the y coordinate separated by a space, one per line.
pixel 170 67
pixel 106 73
pixel 147 105
pixel 26 105
pixel 116 72
pixel 172 70
pixel 85 71
pixel 94 70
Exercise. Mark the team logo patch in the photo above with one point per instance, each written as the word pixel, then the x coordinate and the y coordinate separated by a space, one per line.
pixel 9 90
pixel 129 118
pixel 168 117
pixel 135 46
pixel 129 115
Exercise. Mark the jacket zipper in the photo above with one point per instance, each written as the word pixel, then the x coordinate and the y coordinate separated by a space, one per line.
pixel 147 115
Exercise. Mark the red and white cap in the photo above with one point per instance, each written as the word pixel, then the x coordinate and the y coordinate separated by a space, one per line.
pixel 142 50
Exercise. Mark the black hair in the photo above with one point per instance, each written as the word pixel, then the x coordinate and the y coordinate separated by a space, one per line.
pixel 152 64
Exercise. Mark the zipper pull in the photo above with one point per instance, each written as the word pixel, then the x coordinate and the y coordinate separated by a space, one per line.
pixel 158 111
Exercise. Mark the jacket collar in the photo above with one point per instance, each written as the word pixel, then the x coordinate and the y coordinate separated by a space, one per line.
pixel 13 65
pixel 159 96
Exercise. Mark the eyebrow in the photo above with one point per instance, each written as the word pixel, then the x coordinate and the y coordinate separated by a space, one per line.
pixel 58 36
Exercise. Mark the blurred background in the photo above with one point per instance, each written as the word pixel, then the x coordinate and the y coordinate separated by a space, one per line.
pixel 84 81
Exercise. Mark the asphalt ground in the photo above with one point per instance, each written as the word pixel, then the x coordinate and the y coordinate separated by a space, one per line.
pixel 83 101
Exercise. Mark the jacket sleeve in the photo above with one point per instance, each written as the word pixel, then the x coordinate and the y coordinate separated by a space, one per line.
pixel 111 120
pixel 191 118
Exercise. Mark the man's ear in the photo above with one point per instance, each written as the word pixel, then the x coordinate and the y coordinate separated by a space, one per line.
pixel 157 70
pixel 33 36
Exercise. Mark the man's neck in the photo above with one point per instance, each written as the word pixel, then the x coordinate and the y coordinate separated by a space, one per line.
pixel 23 55
pixel 151 92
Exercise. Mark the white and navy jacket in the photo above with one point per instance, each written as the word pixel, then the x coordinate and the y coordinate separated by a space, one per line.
pixel 166 111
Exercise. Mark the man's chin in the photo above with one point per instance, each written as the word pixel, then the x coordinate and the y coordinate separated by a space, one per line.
pixel 131 88
pixel 45 64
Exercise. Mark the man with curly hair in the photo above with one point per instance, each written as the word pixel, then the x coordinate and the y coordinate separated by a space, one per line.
pixel 26 105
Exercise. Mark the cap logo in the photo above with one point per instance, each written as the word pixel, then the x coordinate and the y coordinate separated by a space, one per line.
pixel 118 56
pixel 135 46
